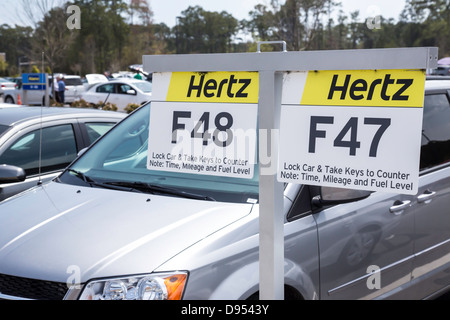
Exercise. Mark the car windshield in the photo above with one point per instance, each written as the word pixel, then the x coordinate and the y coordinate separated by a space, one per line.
pixel 145 86
pixel 119 161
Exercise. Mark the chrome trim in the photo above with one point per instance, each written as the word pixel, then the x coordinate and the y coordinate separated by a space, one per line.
pixel 74 292
pixel 8 297
pixel 364 277
pixel 393 265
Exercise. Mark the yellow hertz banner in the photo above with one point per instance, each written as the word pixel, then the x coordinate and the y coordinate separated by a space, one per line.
pixel 378 88
pixel 230 87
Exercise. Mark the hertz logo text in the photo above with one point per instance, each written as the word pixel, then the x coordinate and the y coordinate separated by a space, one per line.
pixel 230 87
pixel 378 88
pixel 360 86
pixel 211 88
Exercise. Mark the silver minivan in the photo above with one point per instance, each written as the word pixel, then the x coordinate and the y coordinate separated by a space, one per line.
pixel 108 228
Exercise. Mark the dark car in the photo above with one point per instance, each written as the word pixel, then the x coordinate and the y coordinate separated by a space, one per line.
pixel 65 131
pixel 441 70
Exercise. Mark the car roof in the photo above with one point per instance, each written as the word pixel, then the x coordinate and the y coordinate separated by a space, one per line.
pixel 127 80
pixel 8 105
pixel 10 116
pixel 434 83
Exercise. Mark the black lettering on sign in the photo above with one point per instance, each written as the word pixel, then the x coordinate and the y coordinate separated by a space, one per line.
pixel 232 87
pixel 359 89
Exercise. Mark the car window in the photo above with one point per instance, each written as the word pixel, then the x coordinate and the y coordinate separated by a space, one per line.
pixel 435 148
pixel 145 86
pixel 122 88
pixel 106 88
pixel 302 204
pixel 97 129
pixel 58 150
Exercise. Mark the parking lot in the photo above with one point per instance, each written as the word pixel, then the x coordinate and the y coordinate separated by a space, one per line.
pixel 176 200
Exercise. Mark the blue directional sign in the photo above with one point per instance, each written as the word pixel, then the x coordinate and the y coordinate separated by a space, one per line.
pixel 33 81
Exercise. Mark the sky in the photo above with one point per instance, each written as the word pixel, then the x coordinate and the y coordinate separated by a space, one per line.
pixel 166 11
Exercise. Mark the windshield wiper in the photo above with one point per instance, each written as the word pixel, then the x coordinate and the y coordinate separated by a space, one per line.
pixel 91 182
pixel 153 188
pixel 82 176
pixel 139 187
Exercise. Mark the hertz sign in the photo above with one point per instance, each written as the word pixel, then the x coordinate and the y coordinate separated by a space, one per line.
pixel 232 87
pixel 204 123
pixel 378 88
pixel 354 129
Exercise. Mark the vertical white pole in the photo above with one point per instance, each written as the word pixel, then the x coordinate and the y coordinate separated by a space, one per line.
pixel 271 217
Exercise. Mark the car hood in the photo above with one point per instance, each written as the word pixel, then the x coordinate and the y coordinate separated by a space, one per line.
pixel 94 78
pixel 52 230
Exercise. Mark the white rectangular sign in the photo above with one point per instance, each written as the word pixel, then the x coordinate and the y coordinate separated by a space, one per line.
pixel 206 123
pixel 352 129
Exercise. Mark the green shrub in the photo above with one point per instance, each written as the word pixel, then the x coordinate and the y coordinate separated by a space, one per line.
pixel 108 106
pixel 84 104
pixel 131 107
pixel 54 103
pixel 81 104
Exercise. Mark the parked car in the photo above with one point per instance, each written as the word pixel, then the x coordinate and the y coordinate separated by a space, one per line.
pixel 441 70
pixel 65 131
pixel 8 105
pixel 6 86
pixel 120 92
pixel 93 78
pixel 34 97
pixel 74 87
pixel 109 228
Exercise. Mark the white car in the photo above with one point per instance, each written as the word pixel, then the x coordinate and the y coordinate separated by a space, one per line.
pixel 94 78
pixel 119 92
pixel 74 88
pixel 7 88
pixel 33 98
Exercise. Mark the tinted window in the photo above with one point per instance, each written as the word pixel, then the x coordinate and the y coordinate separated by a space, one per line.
pixel 435 131
pixel 302 204
pixel 123 88
pixel 96 129
pixel 106 88
pixel 58 150
pixel 145 86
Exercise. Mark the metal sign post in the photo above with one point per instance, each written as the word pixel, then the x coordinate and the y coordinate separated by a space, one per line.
pixel 272 68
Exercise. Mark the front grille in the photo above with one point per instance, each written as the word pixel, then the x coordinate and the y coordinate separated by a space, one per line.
pixel 31 288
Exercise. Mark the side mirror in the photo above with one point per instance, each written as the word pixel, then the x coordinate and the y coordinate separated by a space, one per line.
pixel 331 196
pixel 132 92
pixel 10 174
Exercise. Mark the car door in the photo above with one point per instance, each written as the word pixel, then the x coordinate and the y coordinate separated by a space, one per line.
pixel 431 207
pixel 59 148
pixel 365 247
pixel 103 93
pixel 124 95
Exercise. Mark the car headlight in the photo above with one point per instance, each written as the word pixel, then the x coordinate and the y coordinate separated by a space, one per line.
pixel 167 286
